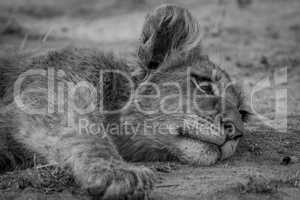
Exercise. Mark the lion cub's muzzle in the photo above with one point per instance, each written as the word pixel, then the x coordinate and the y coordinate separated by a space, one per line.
pixel 224 134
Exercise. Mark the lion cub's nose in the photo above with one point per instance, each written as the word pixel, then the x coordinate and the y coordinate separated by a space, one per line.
pixel 229 129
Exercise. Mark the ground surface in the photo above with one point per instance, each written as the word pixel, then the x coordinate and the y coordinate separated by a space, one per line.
pixel 253 43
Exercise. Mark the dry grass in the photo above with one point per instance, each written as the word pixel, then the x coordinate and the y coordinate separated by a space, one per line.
pixel 47 179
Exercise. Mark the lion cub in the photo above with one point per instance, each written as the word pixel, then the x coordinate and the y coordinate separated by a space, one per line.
pixel 88 110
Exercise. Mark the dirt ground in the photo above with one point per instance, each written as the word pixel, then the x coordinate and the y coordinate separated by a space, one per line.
pixel 258 44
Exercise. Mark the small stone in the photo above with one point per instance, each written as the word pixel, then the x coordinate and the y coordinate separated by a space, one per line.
pixel 289 160
pixel 264 60
pixel 228 58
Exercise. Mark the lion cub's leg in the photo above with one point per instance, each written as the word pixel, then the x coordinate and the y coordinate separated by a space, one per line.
pixel 162 147
pixel 96 164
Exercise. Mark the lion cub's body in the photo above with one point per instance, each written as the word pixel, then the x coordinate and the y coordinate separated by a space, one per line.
pixel 75 138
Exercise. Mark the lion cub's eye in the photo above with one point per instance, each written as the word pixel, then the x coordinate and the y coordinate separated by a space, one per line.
pixel 205 87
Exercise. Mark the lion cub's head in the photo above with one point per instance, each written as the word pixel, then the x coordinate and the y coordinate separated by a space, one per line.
pixel 180 91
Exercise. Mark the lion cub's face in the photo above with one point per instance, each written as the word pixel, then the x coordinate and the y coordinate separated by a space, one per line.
pixel 189 96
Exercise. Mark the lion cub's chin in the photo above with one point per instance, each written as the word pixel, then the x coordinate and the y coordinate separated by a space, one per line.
pixel 201 153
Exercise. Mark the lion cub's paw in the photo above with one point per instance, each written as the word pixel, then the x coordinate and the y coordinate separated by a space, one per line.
pixel 123 183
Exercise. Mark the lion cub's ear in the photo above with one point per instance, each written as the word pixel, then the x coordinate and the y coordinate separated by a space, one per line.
pixel 166 29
